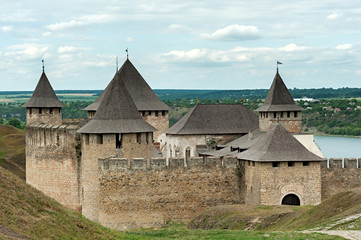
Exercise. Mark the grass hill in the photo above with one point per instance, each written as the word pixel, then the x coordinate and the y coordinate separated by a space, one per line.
pixel 12 150
pixel 339 212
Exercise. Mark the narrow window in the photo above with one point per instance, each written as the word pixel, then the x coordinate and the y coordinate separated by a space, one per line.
pixel 295 114
pixel 281 114
pixel 139 138
pixel 30 111
pixel 58 139
pixel 275 115
pixel 149 113
pixel 253 164
pixel 249 163
pixel 100 138
pixel 143 114
pixel 40 111
pixel 306 164
pixel 163 113
pixel 291 164
pixel 50 110
pixel 288 114
pixel 156 113
pixel 118 140
pixel 275 164
pixel 86 136
pixel 266 114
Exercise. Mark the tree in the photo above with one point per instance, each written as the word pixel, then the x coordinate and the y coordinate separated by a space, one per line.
pixel 15 123
pixel 1 121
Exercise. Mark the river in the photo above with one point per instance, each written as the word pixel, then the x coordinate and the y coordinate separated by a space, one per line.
pixel 339 147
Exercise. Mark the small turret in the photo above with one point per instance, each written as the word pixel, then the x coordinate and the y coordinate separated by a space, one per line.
pixel 279 107
pixel 44 106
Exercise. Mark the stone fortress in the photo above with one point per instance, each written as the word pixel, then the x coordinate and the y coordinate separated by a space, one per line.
pixel 125 168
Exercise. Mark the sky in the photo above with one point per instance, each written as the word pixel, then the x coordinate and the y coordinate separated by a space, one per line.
pixel 229 44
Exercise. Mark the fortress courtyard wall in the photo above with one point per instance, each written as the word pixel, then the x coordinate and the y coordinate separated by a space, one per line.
pixel 340 175
pixel 53 162
pixel 146 192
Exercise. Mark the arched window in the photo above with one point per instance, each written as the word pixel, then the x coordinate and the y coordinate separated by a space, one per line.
pixel 291 199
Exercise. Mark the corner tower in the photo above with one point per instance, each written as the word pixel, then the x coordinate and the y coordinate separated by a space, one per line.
pixel 279 106
pixel 116 129
pixel 44 106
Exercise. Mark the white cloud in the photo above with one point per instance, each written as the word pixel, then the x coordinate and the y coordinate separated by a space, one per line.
pixel 81 21
pixel 27 51
pixel 234 33
pixel 334 16
pixel 292 47
pixel 6 28
pixel 67 49
pixel 344 47
pixel 129 39
pixel 179 28
pixel 46 34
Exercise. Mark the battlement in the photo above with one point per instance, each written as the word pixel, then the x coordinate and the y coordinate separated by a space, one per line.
pixel 341 163
pixel 153 164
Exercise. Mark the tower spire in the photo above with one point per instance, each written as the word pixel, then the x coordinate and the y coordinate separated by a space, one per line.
pixel 126 50
pixel 42 60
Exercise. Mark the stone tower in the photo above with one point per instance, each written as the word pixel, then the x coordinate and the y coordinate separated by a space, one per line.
pixel 149 106
pixel 117 129
pixel 44 106
pixel 280 170
pixel 279 106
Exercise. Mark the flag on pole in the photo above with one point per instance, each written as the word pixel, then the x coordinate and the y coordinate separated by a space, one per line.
pixel 279 62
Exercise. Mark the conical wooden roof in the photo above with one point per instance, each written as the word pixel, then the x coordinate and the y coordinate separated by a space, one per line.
pixel 44 95
pixel 117 112
pixel 276 146
pixel 279 98
pixel 143 96
pixel 216 119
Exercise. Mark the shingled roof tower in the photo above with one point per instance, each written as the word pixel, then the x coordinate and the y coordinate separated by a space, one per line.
pixel 280 170
pixel 116 129
pixel 44 106
pixel 150 107
pixel 279 106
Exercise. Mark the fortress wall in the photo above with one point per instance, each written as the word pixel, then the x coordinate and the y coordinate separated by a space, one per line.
pixel 340 175
pixel 277 182
pixel 160 122
pixel 53 162
pixel 146 192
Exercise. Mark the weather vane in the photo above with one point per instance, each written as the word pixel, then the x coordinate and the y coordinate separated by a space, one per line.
pixel 278 63
pixel 126 50
pixel 42 60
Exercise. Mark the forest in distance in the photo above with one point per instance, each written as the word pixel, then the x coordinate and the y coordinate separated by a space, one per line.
pixel 327 110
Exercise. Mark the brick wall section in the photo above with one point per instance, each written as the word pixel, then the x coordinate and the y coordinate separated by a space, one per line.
pixel 52 162
pixel 292 124
pixel 336 179
pixel 273 183
pixel 160 122
pixel 145 193
pixel 34 117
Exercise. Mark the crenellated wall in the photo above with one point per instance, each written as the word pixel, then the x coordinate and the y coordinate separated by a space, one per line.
pixel 53 162
pixel 340 175
pixel 146 192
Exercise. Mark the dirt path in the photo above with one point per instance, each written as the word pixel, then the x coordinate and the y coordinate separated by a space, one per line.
pixel 348 234
pixel 11 234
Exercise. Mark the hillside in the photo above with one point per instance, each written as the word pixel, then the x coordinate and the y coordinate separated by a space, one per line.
pixel 339 213
pixel 12 150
